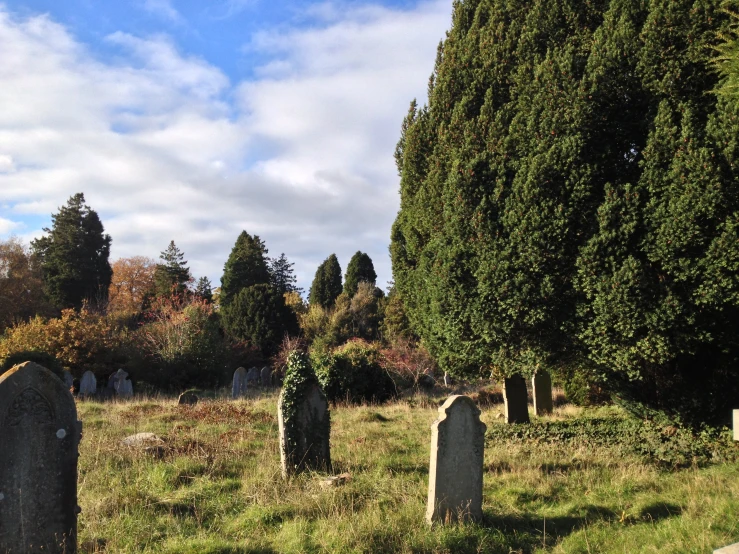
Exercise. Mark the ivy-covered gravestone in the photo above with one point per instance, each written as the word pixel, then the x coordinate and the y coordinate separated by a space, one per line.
pixel 304 419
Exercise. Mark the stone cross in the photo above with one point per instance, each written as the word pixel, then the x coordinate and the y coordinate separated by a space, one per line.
pixel 515 397
pixel 40 437
pixel 238 387
pixel 88 384
pixel 122 386
pixel 455 471
pixel 736 425
pixel 68 379
pixel 304 433
pixel 266 376
pixel 542 386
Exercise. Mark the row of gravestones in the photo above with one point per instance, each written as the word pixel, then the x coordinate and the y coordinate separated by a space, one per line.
pixel 515 397
pixel 118 385
pixel 244 379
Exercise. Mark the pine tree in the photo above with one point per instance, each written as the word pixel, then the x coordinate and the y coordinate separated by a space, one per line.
pixel 204 289
pixel 282 275
pixel 172 276
pixel 360 269
pixel 73 256
pixel 246 266
pixel 326 285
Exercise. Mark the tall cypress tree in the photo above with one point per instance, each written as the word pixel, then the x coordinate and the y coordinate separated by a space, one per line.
pixel 74 256
pixel 326 285
pixel 360 269
pixel 247 265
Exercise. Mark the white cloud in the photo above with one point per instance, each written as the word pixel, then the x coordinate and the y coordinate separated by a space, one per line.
pixel 165 147
pixel 163 9
pixel 7 226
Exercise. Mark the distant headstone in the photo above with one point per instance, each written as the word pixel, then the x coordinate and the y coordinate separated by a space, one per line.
pixel 265 376
pixel 88 384
pixel 252 377
pixel 122 386
pixel 40 437
pixel 515 398
pixel 68 379
pixel 238 387
pixel 542 386
pixel 304 432
pixel 736 425
pixel 455 471
pixel 731 549
pixel 188 398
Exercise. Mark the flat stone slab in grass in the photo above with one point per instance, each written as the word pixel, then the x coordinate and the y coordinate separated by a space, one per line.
pixel 142 439
pixel 731 549
pixel 40 435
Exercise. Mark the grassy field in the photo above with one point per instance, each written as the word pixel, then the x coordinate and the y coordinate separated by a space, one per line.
pixel 215 484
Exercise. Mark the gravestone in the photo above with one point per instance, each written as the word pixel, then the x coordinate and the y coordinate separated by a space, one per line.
pixel 88 384
pixel 515 398
pixel 238 387
pixel 304 434
pixel 252 377
pixel 120 384
pixel 736 425
pixel 189 398
pixel 541 383
pixel 265 376
pixel 40 437
pixel 68 379
pixel 456 468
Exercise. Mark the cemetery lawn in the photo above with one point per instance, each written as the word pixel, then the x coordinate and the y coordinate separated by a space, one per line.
pixel 582 480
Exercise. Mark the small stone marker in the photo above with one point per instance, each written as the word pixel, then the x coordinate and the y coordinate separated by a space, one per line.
pixel 68 379
pixel 266 376
pixel 309 432
pixel 38 474
pixel 515 397
pixel 731 549
pixel 252 377
pixel 189 398
pixel 122 386
pixel 736 425
pixel 88 384
pixel 541 383
pixel 455 471
pixel 238 387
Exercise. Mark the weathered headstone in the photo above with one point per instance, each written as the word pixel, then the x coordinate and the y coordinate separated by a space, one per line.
pixel 252 377
pixel 265 376
pixel 120 384
pixel 515 398
pixel 455 471
pixel 736 425
pixel 68 379
pixel 238 387
pixel 40 437
pixel 88 384
pixel 189 398
pixel 541 384
pixel 731 549
pixel 304 432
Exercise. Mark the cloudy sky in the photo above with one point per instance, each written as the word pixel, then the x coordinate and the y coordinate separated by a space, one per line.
pixel 191 120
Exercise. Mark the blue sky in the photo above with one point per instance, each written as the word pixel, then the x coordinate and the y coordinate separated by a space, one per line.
pixel 190 121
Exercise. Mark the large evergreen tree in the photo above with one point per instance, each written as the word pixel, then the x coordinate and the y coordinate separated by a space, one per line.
pixel 326 285
pixel 282 275
pixel 172 275
pixel 569 195
pixel 73 256
pixel 360 269
pixel 247 265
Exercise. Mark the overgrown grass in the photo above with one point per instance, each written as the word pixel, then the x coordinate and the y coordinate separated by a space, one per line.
pixel 574 482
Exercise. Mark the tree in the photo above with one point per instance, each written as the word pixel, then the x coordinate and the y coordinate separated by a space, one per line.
pixel 326 285
pixel 21 285
pixel 73 256
pixel 132 281
pixel 569 197
pixel 204 289
pixel 360 269
pixel 246 266
pixel 282 275
pixel 172 276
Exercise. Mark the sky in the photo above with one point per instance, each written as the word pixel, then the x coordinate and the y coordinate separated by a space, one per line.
pixel 194 120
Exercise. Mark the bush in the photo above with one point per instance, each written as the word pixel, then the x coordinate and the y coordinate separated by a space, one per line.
pixel 354 373
pixel 582 389
pixel 41 358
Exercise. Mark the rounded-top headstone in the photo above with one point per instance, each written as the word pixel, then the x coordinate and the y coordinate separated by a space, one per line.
pixel 38 474
pixel 266 376
pixel 188 398
pixel 238 387
pixel 88 384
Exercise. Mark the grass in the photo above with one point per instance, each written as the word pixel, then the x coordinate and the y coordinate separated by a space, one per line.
pixel 214 486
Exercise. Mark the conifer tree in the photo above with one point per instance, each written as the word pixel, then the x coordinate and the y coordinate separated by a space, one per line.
pixel 326 285
pixel 282 275
pixel 360 269
pixel 204 289
pixel 73 256
pixel 172 276
pixel 247 265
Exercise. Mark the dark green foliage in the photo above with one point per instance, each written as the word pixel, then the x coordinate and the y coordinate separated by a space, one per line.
pixel 360 269
pixel 204 290
pixel 282 275
pixel 172 276
pixel 326 285
pixel 73 256
pixel 353 373
pixel 259 316
pixel 569 197
pixel 395 325
pixel 41 358
pixel 246 266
